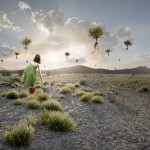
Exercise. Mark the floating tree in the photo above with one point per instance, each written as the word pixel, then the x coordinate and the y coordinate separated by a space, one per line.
pixel 67 54
pixel 108 51
pixel 27 61
pixel 119 59
pixel 77 60
pixel 95 33
pixel 26 41
pixel 16 53
pixel 127 43
pixel 2 60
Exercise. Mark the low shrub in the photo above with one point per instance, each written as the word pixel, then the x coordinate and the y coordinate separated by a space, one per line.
pixel 143 89
pixel 19 134
pixel 64 90
pixel 51 105
pixel 23 94
pixel 12 94
pixel 43 96
pixel 79 93
pixel 96 99
pixel 86 97
pixel 31 119
pixel 82 82
pixel 4 94
pixel 32 104
pixel 57 121
pixel 18 102
pixel 98 93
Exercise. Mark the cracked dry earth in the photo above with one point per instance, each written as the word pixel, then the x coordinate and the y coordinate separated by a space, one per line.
pixel 123 125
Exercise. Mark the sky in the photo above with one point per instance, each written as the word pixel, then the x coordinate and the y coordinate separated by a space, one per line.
pixel 59 26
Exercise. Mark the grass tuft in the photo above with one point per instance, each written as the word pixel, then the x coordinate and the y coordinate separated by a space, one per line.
pixel 12 94
pixel 143 89
pixel 51 105
pixel 19 134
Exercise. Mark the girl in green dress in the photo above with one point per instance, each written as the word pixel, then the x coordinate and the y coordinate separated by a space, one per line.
pixel 30 73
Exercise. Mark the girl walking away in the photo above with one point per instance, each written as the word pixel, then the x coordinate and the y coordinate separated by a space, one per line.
pixel 30 73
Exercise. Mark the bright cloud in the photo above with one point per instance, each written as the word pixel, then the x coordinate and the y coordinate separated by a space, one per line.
pixel 7 24
pixel 23 6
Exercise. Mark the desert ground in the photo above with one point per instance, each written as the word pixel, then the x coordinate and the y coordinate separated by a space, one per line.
pixel 122 125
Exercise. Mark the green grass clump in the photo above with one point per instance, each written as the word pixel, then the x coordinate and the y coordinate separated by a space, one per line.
pixel 57 121
pixel 85 89
pixel 96 99
pixel 12 94
pixel 4 94
pixel 15 84
pixel 32 104
pixel 23 94
pixel 76 85
pixel 86 97
pixel 16 79
pixel 65 90
pixel 143 89
pixel 38 91
pixel 18 102
pixel 82 82
pixel 43 96
pixel 51 105
pixel 98 93
pixel 19 134
pixel 79 93
pixel 31 97
pixel 31 119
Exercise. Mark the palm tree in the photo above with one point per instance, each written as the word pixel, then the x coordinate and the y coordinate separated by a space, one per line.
pixel 95 33
pixel 2 60
pixel 26 41
pixel 127 43
pixel 67 54
pixel 16 53
pixel 77 60
pixel 108 51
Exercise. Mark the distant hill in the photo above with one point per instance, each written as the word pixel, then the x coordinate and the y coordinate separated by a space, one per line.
pixel 85 69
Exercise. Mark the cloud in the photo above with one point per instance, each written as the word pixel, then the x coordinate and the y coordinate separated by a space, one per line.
pixel 6 50
pixel 23 6
pixel 47 22
pixel 7 24
pixel 142 58
pixel 124 32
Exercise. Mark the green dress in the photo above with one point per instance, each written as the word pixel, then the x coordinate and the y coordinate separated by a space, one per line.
pixel 30 75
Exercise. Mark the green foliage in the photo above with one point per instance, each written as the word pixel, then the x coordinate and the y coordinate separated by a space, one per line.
pixel 23 94
pixel 65 90
pixel 57 121
pixel 43 96
pixel 96 99
pixel 82 82
pixel 143 89
pixel 4 94
pixel 51 105
pixel 79 93
pixel 12 94
pixel 19 134
pixel 18 102
pixel 96 32
pixel 98 93
pixel 31 119
pixel 32 104
pixel 86 97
